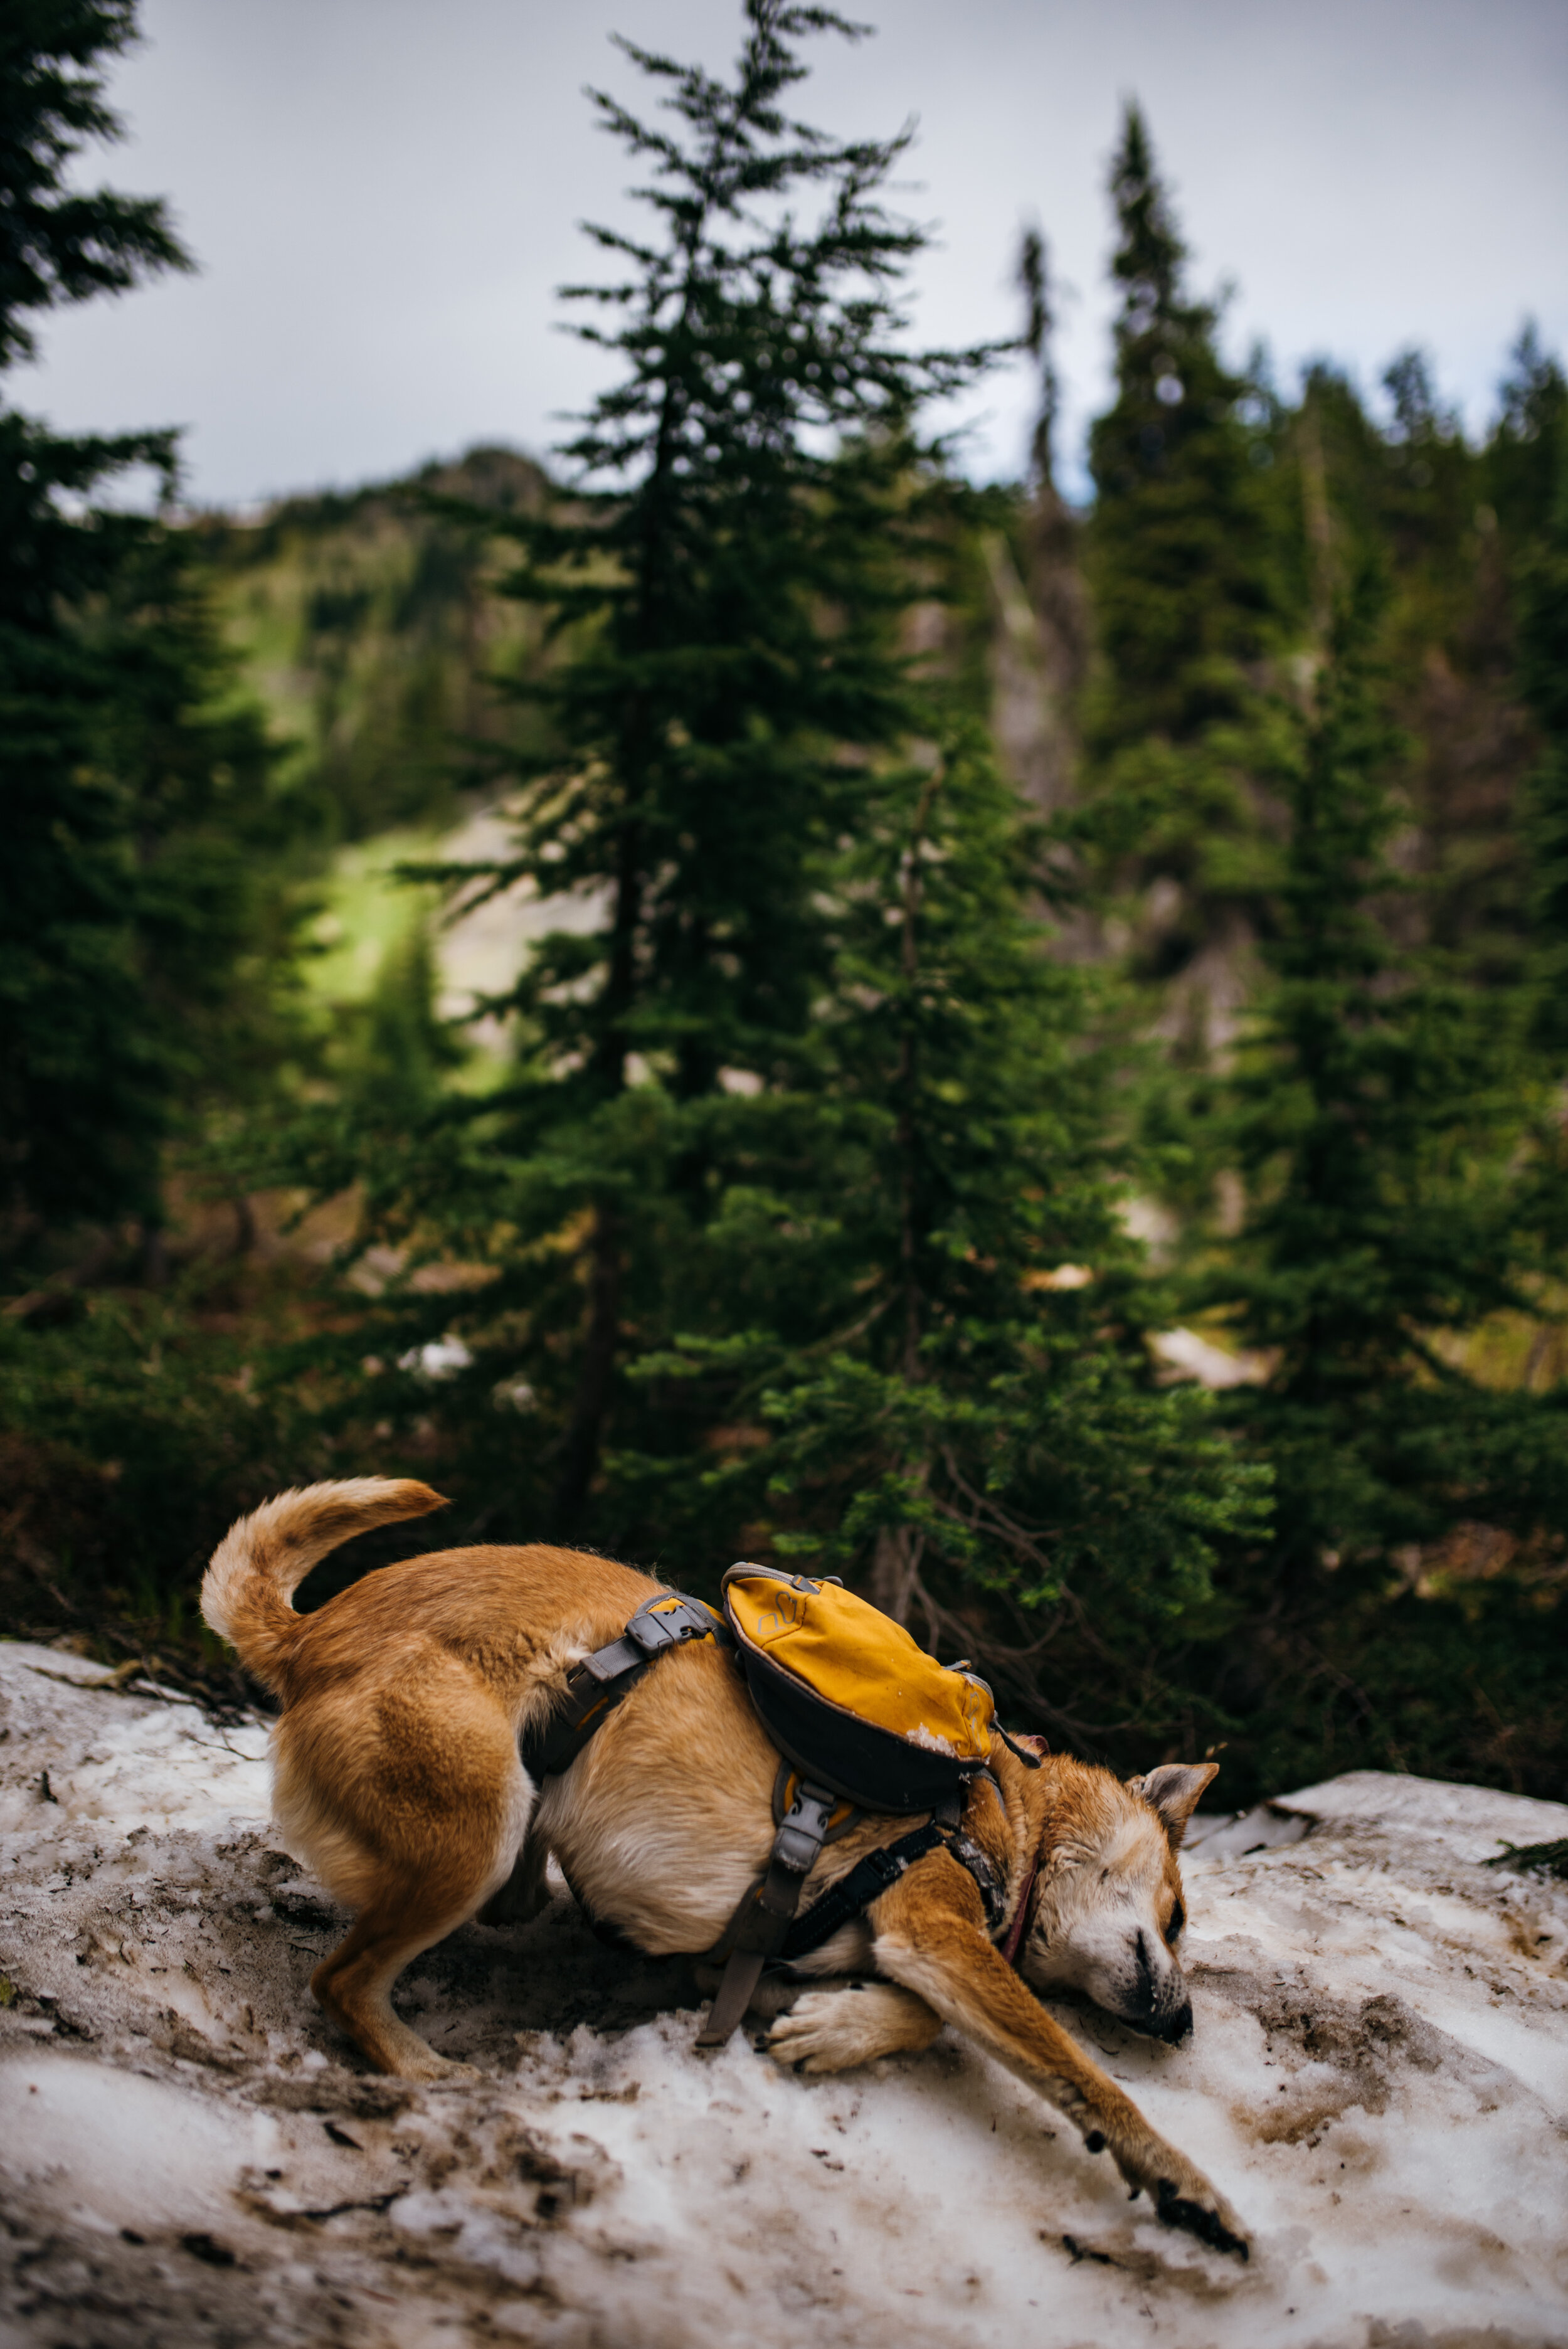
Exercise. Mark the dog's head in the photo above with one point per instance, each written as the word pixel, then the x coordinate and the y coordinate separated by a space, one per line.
pixel 1108 1908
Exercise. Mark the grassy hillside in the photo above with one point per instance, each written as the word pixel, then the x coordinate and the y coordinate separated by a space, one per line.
pixel 366 625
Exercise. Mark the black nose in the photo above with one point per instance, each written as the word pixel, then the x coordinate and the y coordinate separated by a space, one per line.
pixel 1150 2012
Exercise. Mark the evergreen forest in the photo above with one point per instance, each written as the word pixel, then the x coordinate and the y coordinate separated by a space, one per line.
pixel 731 992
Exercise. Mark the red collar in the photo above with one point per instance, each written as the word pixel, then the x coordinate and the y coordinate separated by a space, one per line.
pixel 1015 1940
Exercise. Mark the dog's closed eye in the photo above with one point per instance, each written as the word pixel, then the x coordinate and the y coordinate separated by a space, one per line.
pixel 1178 1918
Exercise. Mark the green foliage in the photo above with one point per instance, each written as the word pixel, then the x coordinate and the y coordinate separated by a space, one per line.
pixel 1180 574
pixel 1525 454
pixel 1466 1684
pixel 1531 451
pixel 1442 522
pixel 395 1057
pixel 808 1125
pixel 744 527
pixel 957 1400
pixel 64 244
pixel 1380 1123
pixel 133 1433
pixel 139 942
pixel 143 932
pixel 1177 555
pixel 732 574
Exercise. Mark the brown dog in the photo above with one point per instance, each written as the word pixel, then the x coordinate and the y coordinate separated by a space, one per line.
pixel 396 1776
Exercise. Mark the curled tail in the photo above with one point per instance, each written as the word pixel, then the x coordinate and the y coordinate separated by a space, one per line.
pixel 248 1589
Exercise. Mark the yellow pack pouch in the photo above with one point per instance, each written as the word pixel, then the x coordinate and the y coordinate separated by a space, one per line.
pixel 846 1694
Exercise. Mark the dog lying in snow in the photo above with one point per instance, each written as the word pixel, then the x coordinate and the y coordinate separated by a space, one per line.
pixel 396 1776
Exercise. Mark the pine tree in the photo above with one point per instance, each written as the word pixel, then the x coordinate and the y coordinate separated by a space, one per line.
pixel 1529 444
pixel 1042 647
pixel 743 526
pixel 64 244
pixel 1179 573
pixel 1395 1207
pixel 1409 494
pixel 1528 461
pixel 399 1050
pixel 134 926
pixel 940 1388
pixel 812 1114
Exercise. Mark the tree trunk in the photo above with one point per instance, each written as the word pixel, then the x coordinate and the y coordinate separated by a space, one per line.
pixel 154 1255
pixel 895 1563
pixel 580 1452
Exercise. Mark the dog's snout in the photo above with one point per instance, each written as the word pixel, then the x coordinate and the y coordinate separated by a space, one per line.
pixel 1159 2004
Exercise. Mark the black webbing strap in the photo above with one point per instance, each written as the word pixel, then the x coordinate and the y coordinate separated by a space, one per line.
pixel 757 1930
pixel 765 1930
pixel 596 1686
pixel 866 1882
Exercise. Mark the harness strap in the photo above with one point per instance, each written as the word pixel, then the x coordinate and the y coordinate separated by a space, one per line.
pixel 866 1882
pixel 765 1930
pixel 597 1685
pixel 759 1928
pixel 1015 1940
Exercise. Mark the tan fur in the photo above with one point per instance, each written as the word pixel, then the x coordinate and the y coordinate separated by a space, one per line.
pixel 396 1776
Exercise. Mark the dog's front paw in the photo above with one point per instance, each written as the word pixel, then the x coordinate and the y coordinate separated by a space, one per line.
pixel 1203 2211
pixel 1183 2197
pixel 817 2035
pixel 833 2030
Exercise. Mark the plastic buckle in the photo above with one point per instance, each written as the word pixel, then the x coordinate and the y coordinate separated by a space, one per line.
pixel 882 1863
pixel 653 1631
pixel 805 1825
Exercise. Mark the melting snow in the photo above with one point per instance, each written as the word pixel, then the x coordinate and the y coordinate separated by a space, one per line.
pixel 1379 2080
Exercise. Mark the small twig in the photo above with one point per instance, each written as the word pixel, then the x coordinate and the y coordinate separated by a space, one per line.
pixel 335 2210
pixel 1551 1857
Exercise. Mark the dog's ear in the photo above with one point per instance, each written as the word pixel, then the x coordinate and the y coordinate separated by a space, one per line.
pixel 1172 1793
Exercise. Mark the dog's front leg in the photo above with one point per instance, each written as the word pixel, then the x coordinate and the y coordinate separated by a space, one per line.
pixel 834 2030
pixel 931 1937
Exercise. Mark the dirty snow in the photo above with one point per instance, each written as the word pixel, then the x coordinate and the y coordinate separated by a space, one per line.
pixel 187 2154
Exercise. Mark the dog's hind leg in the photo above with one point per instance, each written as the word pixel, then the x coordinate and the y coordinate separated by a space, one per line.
pixel 414 1814
pixel 409 1913
pixel 354 1986
pixel 523 1894
pixel 833 2030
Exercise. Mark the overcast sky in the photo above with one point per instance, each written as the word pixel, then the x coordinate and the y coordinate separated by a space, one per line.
pixel 382 195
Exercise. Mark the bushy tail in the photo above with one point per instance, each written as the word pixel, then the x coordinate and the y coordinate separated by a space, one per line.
pixel 246 1591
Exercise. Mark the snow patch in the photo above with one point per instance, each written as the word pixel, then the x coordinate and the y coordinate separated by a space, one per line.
pixel 69 2124
pixel 188 2153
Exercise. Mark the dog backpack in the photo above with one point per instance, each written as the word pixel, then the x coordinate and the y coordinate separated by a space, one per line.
pixel 871 1722
pixel 868 1720
pixel 848 1698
